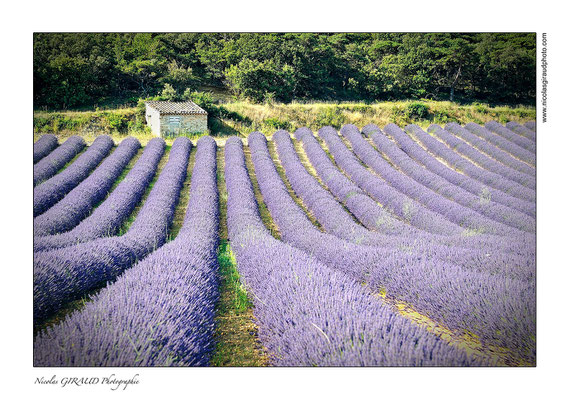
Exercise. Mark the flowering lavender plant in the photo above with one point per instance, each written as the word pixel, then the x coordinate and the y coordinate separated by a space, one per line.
pixel 160 312
pixel 528 130
pixel 521 185
pixel 44 146
pixel 472 178
pixel 308 313
pixel 501 143
pixel 64 274
pixel 107 218
pixel 51 191
pixel 49 165
pixel 79 202
pixel 511 136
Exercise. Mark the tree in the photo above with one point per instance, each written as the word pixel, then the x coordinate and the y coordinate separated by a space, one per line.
pixel 254 80
pixel 75 69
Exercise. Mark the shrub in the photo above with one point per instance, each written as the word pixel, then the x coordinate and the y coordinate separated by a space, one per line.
pixel 330 116
pixel 276 124
pixel 169 93
pixel 481 108
pixel 443 117
pixel 417 110
pixel 117 122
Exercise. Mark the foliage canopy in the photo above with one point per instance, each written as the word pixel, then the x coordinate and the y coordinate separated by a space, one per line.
pixel 77 69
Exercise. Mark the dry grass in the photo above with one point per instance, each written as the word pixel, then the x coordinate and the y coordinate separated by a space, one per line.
pixel 317 114
pixel 283 175
pixel 267 118
pixel 182 205
pixel 263 210
pixel 466 341
pixel 129 221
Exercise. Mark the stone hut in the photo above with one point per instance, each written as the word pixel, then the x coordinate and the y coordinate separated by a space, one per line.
pixel 168 118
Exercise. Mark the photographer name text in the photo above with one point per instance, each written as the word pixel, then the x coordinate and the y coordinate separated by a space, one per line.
pixel 112 381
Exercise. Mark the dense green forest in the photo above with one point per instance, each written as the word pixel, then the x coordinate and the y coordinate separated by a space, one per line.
pixel 87 69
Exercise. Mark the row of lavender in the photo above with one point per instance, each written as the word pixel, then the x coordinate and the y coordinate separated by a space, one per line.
pixel 161 310
pixel 64 274
pixel 108 217
pixel 308 313
pixel 50 162
pixel 55 188
pixel 517 296
pixel 466 289
pixel 362 255
pixel 44 146
pixel 503 254
pixel 79 202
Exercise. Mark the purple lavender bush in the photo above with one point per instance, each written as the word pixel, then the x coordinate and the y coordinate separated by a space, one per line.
pixel 464 217
pixel 308 314
pixel 79 202
pixel 521 185
pixel 354 198
pixel 380 190
pixel 523 130
pixel 463 201
pixel 301 180
pixel 108 217
pixel 472 178
pixel 161 311
pixel 402 272
pixel 51 191
pixel 293 220
pixel 486 147
pixel 44 146
pixel 65 274
pixel 500 142
pixel 49 165
pixel 531 125
pixel 494 203
pixel 511 136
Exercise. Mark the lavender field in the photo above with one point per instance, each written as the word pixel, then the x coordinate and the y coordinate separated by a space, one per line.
pixel 380 246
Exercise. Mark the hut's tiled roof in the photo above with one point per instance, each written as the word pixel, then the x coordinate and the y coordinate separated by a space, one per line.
pixel 171 107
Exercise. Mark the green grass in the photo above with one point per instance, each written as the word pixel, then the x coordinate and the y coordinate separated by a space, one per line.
pixel 236 332
pixel 239 300
pixel 244 117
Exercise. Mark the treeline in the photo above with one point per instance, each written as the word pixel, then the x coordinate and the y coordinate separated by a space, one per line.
pixel 78 69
